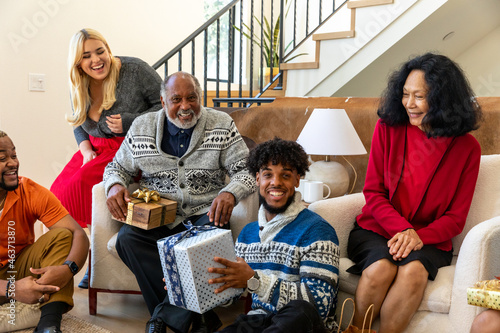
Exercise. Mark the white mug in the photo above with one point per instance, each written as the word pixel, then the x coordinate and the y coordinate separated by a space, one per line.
pixel 313 191
pixel 302 186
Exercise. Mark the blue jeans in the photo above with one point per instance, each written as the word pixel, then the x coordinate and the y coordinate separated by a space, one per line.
pixel 297 316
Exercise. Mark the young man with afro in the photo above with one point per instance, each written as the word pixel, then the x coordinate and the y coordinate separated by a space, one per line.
pixel 289 259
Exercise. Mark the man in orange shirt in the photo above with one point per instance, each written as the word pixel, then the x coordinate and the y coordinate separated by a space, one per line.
pixel 42 271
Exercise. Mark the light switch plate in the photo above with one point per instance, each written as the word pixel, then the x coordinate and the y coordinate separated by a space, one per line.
pixel 36 82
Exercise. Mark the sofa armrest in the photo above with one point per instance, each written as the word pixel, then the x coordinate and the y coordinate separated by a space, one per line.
pixel 244 212
pixel 341 213
pixel 108 272
pixel 103 226
pixel 478 260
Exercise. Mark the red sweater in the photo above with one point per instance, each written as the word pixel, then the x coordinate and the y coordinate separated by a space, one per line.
pixel 440 208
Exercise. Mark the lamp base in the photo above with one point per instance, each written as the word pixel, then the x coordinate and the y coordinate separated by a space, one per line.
pixel 332 174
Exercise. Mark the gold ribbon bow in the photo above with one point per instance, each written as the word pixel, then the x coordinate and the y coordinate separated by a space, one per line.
pixel 146 195
pixel 493 285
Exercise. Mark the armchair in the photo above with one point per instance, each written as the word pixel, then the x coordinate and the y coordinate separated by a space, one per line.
pixel 107 272
pixel 444 307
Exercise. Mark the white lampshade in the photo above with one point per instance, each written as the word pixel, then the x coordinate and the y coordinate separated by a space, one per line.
pixel 330 132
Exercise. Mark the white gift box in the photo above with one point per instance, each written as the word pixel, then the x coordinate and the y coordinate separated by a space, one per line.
pixel 186 268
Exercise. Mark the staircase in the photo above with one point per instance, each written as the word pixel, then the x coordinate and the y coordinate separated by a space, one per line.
pixel 344 49
pixel 239 76
pixel 330 47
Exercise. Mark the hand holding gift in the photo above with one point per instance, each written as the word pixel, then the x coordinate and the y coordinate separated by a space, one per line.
pixel 186 258
pixel 147 210
pixel 234 274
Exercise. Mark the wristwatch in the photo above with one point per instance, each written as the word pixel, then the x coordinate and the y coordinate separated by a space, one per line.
pixel 73 267
pixel 253 283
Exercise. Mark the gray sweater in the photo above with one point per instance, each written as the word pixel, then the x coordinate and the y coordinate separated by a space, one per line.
pixel 137 92
pixel 193 180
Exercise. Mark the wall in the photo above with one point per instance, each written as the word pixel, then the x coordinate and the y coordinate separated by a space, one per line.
pixel 477 53
pixel 34 38
pixel 484 75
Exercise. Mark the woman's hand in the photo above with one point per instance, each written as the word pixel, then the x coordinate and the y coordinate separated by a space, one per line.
pixel 403 243
pixel 114 123
pixel 87 152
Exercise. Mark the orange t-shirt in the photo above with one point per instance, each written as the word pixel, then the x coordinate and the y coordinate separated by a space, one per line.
pixel 23 207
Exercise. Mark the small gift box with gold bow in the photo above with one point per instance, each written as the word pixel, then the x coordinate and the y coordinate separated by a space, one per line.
pixel 485 294
pixel 147 210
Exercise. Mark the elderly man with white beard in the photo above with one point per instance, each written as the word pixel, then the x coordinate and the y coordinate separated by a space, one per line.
pixel 183 152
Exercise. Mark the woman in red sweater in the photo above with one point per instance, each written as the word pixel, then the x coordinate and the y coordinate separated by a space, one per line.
pixel 421 176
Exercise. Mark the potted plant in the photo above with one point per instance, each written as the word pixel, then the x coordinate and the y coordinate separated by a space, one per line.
pixel 270 44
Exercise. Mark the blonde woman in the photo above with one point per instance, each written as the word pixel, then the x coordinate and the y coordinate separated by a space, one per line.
pixel 107 94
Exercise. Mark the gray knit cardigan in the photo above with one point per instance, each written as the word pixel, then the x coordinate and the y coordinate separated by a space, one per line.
pixel 193 180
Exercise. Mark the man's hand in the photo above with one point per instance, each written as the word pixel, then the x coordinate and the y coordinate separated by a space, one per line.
pixel 29 291
pixel 118 198
pixel 221 209
pixel 235 274
pixel 403 243
pixel 114 123
pixel 53 275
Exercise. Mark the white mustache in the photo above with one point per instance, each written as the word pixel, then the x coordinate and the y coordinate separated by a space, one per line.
pixel 185 112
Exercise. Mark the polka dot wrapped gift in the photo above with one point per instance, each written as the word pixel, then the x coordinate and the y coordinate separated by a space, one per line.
pixel 485 294
pixel 185 259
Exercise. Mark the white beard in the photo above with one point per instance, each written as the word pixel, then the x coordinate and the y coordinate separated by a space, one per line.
pixel 184 125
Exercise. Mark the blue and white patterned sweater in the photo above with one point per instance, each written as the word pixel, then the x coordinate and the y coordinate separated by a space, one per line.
pixel 296 255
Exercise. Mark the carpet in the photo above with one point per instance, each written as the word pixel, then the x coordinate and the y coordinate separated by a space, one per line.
pixel 72 324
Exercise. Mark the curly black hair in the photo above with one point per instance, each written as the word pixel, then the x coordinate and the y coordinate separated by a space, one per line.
pixel 278 151
pixel 453 110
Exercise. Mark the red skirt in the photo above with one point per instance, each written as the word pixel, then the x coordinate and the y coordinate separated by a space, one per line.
pixel 73 186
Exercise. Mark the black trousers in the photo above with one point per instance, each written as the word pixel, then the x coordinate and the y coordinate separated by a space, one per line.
pixel 138 250
pixel 297 316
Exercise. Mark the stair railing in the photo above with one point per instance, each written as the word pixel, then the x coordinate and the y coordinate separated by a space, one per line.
pixel 229 24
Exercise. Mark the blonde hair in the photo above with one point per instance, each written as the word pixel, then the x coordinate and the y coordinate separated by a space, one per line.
pixel 3 134
pixel 79 81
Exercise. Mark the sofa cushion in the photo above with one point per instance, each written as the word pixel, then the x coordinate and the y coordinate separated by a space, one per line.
pixel 437 295
pixel 484 205
pixel 348 282
pixel 112 246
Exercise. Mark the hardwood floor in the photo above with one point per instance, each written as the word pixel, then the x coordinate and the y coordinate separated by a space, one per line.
pixel 127 313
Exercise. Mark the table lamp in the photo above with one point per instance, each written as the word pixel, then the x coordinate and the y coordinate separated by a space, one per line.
pixel 330 132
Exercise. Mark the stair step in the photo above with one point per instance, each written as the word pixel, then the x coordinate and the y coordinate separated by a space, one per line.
pixel 300 65
pixel 367 3
pixel 334 35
